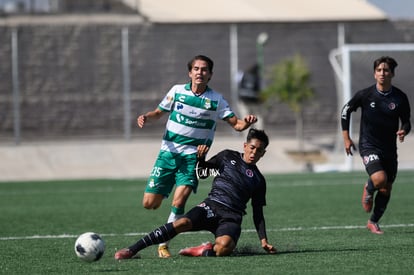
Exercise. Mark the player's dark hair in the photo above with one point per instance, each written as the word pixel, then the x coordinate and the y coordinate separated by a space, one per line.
pixel 258 134
pixel 210 62
pixel 386 59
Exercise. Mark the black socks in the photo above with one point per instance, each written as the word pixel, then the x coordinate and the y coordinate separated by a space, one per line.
pixel 381 202
pixel 159 235
pixel 370 187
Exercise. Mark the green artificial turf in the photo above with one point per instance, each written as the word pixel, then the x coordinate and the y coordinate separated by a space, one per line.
pixel 315 220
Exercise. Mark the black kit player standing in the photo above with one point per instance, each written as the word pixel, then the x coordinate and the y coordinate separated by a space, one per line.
pixel 237 180
pixel 383 107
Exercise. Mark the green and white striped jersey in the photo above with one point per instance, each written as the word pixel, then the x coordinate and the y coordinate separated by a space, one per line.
pixel 192 119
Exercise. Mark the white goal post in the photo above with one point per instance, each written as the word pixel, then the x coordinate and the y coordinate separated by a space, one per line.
pixel 353 65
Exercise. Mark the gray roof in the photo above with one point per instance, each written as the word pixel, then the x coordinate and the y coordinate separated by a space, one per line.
pixel 184 11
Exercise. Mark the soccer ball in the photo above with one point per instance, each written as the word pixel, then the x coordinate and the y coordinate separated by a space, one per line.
pixel 89 247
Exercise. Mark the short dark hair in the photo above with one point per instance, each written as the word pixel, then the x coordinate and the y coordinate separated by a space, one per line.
pixel 386 59
pixel 258 134
pixel 210 62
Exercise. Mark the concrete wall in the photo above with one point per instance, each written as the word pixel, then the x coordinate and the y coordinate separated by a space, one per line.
pixel 70 75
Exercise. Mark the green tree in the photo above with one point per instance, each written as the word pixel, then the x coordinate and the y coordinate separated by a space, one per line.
pixel 290 84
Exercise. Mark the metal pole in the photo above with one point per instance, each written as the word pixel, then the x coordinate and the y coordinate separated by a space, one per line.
pixel 234 66
pixel 260 42
pixel 346 70
pixel 260 61
pixel 341 35
pixel 16 90
pixel 126 83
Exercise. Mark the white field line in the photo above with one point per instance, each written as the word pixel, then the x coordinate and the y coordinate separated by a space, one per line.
pixel 70 236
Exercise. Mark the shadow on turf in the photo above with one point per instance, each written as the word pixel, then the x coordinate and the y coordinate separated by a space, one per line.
pixel 249 251
pixel 320 250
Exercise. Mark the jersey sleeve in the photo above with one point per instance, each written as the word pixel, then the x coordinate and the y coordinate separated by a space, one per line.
pixel 259 196
pixel 258 201
pixel 351 106
pixel 259 222
pixel 167 102
pixel 223 109
pixel 215 161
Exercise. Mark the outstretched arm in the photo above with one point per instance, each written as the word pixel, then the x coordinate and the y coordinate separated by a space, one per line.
pixel 260 225
pixel 348 143
pixel 149 116
pixel 405 124
pixel 239 124
pixel 345 123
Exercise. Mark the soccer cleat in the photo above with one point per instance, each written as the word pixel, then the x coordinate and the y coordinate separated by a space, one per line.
pixel 163 252
pixel 124 254
pixel 196 251
pixel 374 228
pixel 367 199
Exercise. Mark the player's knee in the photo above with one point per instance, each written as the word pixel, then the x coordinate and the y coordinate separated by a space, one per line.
pixel 379 179
pixel 151 202
pixel 150 206
pixel 222 250
pixel 224 246
pixel 182 225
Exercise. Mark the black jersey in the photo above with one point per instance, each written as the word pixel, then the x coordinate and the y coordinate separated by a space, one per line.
pixel 236 182
pixel 380 117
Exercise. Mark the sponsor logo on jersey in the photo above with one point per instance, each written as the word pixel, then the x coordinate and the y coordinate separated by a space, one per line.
pixel 183 120
pixel 210 212
pixel 372 104
pixel 204 172
pixel 195 123
pixel 370 158
pixel 179 118
pixel 180 106
pixel 249 173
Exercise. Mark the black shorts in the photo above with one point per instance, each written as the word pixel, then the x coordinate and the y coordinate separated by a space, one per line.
pixel 375 162
pixel 216 218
